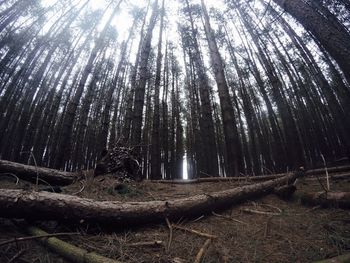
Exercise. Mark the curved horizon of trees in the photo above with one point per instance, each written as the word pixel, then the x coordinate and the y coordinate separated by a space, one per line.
pixel 248 87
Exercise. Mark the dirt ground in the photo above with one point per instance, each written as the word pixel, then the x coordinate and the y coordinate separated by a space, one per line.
pixel 285 231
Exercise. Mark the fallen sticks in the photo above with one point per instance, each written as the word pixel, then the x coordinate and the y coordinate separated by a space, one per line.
pixel 196 232
pixel 202 250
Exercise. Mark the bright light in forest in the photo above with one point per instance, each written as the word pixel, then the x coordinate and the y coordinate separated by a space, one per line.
pixel 184 168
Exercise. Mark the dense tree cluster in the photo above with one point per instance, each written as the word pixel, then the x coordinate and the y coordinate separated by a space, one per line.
pixel 246 87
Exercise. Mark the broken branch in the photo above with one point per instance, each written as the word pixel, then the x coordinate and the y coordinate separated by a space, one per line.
pixel 201 252
pixel 68 251
pixel 194 232
pixel 15 240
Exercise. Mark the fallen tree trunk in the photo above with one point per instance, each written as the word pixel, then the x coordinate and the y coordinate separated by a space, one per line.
pixel 68 251
pixel 339 259
pixel 31 173
pixel 343 176
pixel 42 205
pixel 329 199
pixel 261 177
pixel 222 179
pixel 242 178
pixel 335 169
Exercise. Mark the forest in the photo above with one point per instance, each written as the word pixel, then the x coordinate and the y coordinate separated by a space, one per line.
pixel 130 131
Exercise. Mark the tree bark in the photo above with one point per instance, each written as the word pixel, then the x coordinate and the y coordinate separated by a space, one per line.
pixel 331 170
pixel 208 162
pixel 343 176
pixel 333 38
pixel 136 131
pixel 221 179
pixel 339 259
pixel 41 205
pixel 335 169
pixel 330 199
pixel 233 153
pixel 155 139
pixel 68 251
pixel 30 173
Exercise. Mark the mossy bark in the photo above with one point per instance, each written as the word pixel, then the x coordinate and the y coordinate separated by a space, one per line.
pixel 68 251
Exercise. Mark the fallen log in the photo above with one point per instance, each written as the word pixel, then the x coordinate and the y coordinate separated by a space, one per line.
pixel 343 176
pixel 222 179
pixel 68 251
pixel 336 169
pixel 339 259
pixel 31 173
pixel 331 170
pixel 242 178
pixel 329 199
pixel 44 205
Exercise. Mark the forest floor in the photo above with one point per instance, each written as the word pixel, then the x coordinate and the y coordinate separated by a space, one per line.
pixel 287 232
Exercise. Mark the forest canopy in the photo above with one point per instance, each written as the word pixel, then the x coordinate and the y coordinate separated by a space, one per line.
pixel 201 88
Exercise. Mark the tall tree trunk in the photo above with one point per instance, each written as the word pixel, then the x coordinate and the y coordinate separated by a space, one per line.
pixel 136 130
pixel 208 162
pixel 335 39
pixel 230 129
pixel 155 145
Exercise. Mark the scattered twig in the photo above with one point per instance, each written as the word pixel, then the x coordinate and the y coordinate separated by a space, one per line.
pixel 20 253
pixel 326 170
pixel 201 172
pixel 194 232
pixel 202 250
pixel 152 196
pixel 228 217
pixel 81 189
pixel 36 167
pixel 273 207
pixel 13 175
pixel 251 211
pixel 41 180
pixel 320 182
pixel 267 224
pixel 197 219
pixel 267 170
pixel 155 243
pixel 15 240
pixel 170 234
pixel 314 208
